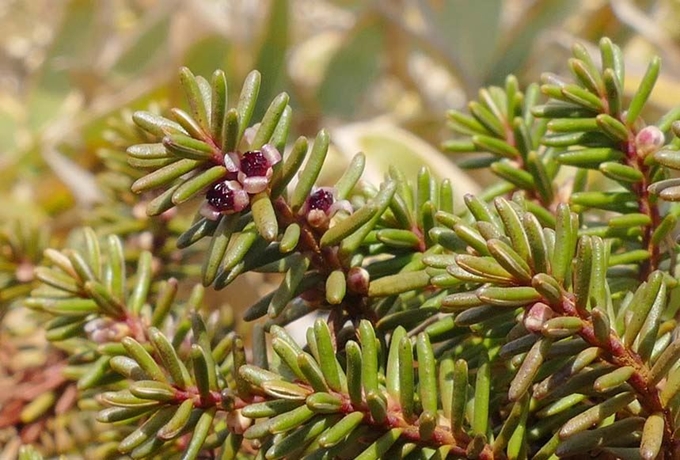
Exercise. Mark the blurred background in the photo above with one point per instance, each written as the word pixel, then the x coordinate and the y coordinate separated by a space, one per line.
pixel 380 74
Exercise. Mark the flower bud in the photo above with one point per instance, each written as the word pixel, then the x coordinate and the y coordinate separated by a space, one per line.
pixel 358 280
pixel 105 330
pixel 649 140
pixel 537 315
pixel 237 423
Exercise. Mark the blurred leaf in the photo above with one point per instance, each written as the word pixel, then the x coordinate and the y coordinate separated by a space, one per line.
pixel 146 48
pixel 516 45
pixel 468 30
pixel 73 41
pixel 79 180
pixel 271 60
pixel 208 54
pixel 385 145
pixel 8 129
pixel 92 130
pixel 351 70
pixel 666 94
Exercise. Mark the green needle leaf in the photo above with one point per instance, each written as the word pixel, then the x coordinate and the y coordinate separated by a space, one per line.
pixel 351 176
pixel 264 216
pixel 406 378
pixel 652 436
pixel 565 241
pixel 188 148
pixel 137 352
pixel 197 184
pixel 349 225
pixel 290 166
pixel 665 362
pixel 147 430
pixel 509 259
pixel 341 430
pixel 459 397
pixel 396 284
pixel 288 286
pixel 642 307
pixel 336 286
pixel 354 370
pixel 644 90
pixel 482 395
pixel 270 121
pixel 585 441
pixel 218 247
pixel 508 296
pixel 219 106
pixel 596 414
pixel 171 361
pixel 164 175
pixel 312 372
pixel 381 446
pixel 529 368
pixel 156 125
pixel 614 379
pixel 194 97
pixel 246 102
pixel 311 171
pixel 329 365
pixel 427 375
pixel 369 357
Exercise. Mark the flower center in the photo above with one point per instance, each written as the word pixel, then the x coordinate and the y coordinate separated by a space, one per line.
pixel 254 163
pixel 321 199
pixel 221 197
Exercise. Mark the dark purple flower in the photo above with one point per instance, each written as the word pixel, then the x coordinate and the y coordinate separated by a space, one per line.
pixel 255 167
pixel 322 199
pixel 224 197
pixel 321 206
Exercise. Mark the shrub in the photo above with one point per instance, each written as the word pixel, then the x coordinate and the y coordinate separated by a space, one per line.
pixel 537 321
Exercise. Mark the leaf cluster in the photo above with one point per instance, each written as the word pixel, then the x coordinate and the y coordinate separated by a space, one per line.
pixel 537 322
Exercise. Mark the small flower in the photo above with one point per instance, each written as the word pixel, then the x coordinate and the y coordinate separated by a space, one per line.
pixel 649 140
pixel 321 206
pixel 538 314
pixel 104 330
pixel 255 167
pixel 224 197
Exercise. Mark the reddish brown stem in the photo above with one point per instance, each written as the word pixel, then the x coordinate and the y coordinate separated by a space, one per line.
pixel 325 260
pixel 647 205
pixel 617 354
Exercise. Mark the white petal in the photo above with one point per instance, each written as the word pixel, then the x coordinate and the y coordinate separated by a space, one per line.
pixel 233 163
pixel 271 154
pixel 249 133
pixel 255 184
pixel 241 200
pixel 209 212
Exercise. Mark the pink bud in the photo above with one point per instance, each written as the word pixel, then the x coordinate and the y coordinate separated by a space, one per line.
pixel 358 280
pixel 649 140
pixel 537 315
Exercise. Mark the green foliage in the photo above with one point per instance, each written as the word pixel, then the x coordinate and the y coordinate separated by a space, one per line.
pixel 537 321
